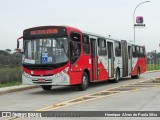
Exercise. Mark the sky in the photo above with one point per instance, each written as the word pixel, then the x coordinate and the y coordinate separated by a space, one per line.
pixel 104 17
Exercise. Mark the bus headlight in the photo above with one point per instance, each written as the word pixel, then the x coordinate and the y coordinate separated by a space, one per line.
pixel 66 70
pixel 62 72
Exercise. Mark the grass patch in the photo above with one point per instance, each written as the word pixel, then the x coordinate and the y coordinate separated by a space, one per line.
pixel 151 67
pixel 10 76
pixel 10 84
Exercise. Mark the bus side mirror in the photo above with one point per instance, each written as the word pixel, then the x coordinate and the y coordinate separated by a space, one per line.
pixel 17 44
pixel 17 49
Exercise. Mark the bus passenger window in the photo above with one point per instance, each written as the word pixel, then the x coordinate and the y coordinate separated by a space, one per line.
pixel 137 52
pixel 102 47
pixel 129 52
pixel 134 51
pixel 86 47
pixel 117 49
pixel 142 51
pixel 75 47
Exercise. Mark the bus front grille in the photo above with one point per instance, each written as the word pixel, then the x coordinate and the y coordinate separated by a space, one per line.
pixel 42 81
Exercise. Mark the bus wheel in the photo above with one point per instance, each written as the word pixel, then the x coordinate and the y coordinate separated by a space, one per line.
pixel 84 83
pixel 133 77
pixel 46 87
pixel 138 74
pixel 116 80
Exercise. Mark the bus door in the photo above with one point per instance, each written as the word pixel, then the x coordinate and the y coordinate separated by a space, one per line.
pixel 110 59
pixel 124 58
pixel 94 58
pixel 129 59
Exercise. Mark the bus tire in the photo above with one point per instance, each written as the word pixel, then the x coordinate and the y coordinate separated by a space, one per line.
pixel 84 83
pixel 133 77
pixel 138 74
pixel 116 80
pixel 46 87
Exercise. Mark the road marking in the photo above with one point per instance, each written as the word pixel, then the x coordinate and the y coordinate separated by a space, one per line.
pixel 136 86
pixel 140 85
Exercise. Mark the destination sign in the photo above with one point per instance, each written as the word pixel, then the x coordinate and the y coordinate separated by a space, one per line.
pixel 44 32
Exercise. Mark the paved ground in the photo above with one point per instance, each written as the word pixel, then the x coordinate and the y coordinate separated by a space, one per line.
pixel 143 100
pixel 33 99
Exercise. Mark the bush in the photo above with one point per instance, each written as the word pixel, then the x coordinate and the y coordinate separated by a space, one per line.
pixel 153 67
pixel 10 75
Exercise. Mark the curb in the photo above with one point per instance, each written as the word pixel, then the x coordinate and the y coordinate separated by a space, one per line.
pixel 152 71
pixel 16 88
pixel 27 87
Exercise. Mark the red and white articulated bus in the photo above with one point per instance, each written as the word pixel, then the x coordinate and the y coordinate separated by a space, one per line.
pixel 62 55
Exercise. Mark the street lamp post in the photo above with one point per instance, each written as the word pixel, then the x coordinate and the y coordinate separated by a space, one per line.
pixel 134 16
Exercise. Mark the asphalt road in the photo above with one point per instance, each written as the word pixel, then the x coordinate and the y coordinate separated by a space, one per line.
pixel 33 99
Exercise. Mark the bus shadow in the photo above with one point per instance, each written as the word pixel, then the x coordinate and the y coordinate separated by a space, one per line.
pixel 56 91
pixel 108 82
pixel 61 90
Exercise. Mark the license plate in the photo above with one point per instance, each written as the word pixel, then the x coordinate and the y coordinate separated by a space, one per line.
pixel 41 80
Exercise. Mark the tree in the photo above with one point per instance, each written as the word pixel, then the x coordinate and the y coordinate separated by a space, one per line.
pixel 8 50
pixel 8 59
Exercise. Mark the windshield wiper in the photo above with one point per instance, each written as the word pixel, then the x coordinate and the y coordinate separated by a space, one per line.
pixel 62 47
pixel 25 44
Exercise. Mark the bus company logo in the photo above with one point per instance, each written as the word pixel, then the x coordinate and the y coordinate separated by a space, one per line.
pixel 48 72
pixel 6 114
pixel 139 19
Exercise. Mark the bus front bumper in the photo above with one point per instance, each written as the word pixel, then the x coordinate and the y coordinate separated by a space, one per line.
pixel 57 79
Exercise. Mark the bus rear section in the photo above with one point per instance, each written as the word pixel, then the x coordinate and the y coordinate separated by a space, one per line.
pixel 129 59
pixel 138 61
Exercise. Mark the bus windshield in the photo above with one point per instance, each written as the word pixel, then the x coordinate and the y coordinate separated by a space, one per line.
pixel 46 51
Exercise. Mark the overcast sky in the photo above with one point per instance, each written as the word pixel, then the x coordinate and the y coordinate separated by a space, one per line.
pixel 105 17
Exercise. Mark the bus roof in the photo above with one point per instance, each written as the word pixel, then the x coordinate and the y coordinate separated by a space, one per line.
pixel 88 33
pixel 102 36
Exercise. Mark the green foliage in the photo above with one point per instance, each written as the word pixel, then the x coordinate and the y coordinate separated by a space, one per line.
pixel 8 75
pixel 153 57
pixel 10 84
pixel 10 70
pixel 10 60
pixel 8 50
pixel 153 67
